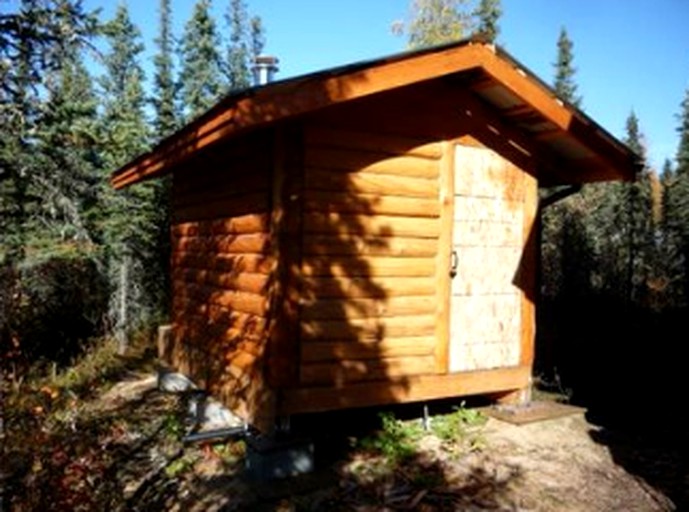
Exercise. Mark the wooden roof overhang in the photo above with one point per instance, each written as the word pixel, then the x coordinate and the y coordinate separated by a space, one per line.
pixel 563 143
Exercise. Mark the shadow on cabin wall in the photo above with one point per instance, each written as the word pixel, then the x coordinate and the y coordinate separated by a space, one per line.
pixel 345 259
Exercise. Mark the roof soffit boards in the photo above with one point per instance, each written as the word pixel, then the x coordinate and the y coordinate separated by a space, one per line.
pixel 518 97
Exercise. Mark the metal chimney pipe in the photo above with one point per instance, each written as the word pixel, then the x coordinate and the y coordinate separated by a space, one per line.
pixel 264 69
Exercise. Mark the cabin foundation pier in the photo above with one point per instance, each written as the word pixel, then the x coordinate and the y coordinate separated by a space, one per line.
pixel 272 457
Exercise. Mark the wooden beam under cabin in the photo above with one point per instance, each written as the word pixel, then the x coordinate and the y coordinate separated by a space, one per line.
pixel 403 389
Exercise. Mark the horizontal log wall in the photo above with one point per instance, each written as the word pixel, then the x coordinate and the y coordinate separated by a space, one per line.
pixel 221 267
pixel 371 225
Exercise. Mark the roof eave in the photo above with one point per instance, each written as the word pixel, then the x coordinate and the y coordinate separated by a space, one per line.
pixel 278 101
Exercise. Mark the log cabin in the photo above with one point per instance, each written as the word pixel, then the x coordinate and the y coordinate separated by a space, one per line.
pixel 368 234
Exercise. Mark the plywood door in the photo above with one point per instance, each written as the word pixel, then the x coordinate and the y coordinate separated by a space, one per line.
pixel 488 241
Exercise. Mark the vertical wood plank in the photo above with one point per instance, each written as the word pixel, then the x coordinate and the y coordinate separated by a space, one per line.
pixel 528 271
pixel 443 279
pixel 283 350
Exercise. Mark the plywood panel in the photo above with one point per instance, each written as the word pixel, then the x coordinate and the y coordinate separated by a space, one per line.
pixel 483 233
pixel 486 209
pixel 486 356
pixel 485 174
pixel 487 318
pixel 488 240
pixel 486 270
pixel 369 162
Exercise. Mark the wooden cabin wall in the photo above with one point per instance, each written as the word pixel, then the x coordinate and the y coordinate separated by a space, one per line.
pixel 221 267
pixel 371 228
pixel 377 229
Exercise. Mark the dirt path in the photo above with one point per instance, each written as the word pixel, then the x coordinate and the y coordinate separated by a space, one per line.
pixel 122 451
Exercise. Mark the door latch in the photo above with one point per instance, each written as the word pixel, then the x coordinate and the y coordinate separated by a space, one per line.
pixel 454 261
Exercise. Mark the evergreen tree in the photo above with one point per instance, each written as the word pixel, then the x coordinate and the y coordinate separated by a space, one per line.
pixel 488 14
pixel 565 87
pixel 682 159
pixel 166 117
pixel 41 205
pixel 237 69
pixel 33 41
pixel 435 22
pixel 247 39
pixel 125 127
pixel 676 203
pixel 639 198
pixel 258 36
pixel 130 222
pixel 166 121
pixel 201 73
pixel 66 151
pixel 556 217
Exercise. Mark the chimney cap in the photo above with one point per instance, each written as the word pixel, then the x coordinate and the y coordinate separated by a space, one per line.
pixel 264 69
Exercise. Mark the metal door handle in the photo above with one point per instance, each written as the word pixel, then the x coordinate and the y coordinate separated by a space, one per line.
pixel 454 261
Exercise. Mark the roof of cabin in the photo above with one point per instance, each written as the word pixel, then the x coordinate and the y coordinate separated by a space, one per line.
pixel 563 136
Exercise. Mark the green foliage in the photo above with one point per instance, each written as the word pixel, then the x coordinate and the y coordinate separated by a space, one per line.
pixel 396 440
pixel 458 424
pixel 124 132
pixel 238 51
pixel 433 22
pixel 488 14
pixel 47 172
pixel 164 98
pixel 201 65
pixel 676 206
pixel 34 43
pixel 565 86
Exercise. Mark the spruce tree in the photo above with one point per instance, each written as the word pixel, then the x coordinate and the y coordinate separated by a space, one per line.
pixel 639 198
pixel 676 202
pixel 565 86
pixel 257 36
pixel 166 121
pixel 201 64
pixel 166 117
pixel 130 228
pixel 237 68
pixel 35 40
pixel 488 15
pixel 66 145
pixel 246 42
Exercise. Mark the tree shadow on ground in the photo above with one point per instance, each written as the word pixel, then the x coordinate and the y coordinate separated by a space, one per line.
pixel 623 365
pixel 123 451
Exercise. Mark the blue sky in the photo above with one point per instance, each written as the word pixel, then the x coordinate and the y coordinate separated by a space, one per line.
pixel 629 54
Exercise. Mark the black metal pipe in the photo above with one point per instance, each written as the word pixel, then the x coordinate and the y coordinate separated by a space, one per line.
pixel 215 434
